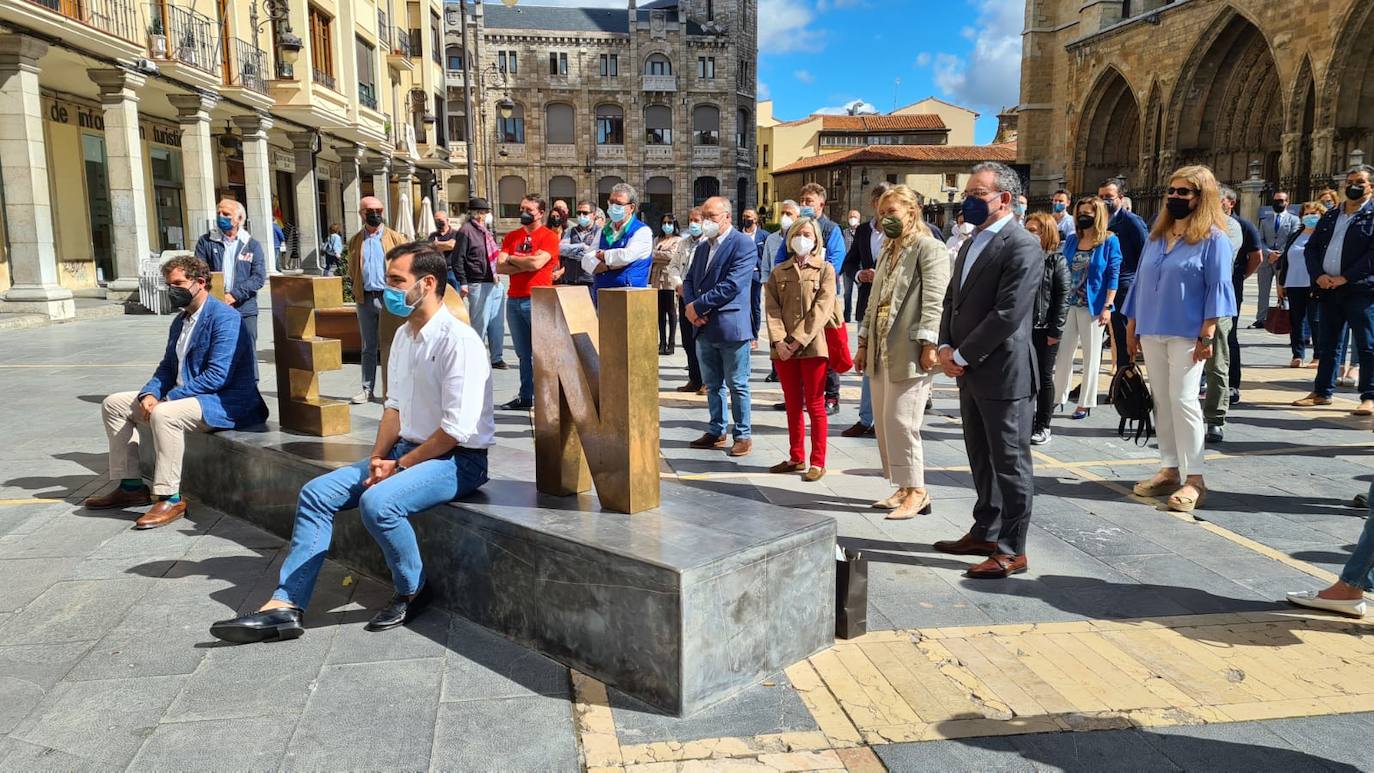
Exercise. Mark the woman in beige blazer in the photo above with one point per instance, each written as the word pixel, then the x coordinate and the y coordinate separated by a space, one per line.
pixel 799 302
pixel 897 345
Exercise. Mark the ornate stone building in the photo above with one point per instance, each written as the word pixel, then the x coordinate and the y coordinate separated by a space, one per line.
pixel 659 95
pixel 1278 94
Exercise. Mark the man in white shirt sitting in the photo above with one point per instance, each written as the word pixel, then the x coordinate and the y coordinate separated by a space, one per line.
pixel 431 448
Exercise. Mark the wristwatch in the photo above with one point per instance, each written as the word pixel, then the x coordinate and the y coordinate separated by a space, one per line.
pixel 400 467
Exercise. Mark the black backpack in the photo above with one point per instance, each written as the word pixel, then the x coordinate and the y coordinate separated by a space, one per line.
pixel 1131 397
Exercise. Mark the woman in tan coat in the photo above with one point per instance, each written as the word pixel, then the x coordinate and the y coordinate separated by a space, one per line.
pixel 799 302
pixel 897 345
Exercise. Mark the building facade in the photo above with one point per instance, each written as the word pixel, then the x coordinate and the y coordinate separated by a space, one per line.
pixel 1270 96
pixel 659 95
pixel 792 150
pixel 131 119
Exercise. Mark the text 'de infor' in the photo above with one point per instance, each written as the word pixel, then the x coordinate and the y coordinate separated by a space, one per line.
pixel 301 355
pixel 596 395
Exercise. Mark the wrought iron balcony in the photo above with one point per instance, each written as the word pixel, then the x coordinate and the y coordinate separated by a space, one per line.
pixel 325 79
pixel 117 17
pixel 367 95
pixel 251 66
pixel 191 38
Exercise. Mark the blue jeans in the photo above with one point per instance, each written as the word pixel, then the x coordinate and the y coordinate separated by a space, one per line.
pixel 1354 308
pixel 866 404
pixel 1359 568
pixel 486 310
pixel 518 318
pixel 385 509
pixel 369 319
pixel 726 366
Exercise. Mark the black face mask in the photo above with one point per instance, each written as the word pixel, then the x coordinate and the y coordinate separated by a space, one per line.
pixel 1084 222
pixel 1354 192
pixel 180 297
pixel 1279 207
pixel 748 223
pixel 526 218
pixel 374 219
pixel 1179 208
pixel 555 220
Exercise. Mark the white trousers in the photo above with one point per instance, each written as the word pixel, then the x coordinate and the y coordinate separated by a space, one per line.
pixel 1173 378
pixel 1081 331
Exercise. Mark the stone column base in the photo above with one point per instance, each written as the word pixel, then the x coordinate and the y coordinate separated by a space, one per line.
pixel 52 302
pixel 122 290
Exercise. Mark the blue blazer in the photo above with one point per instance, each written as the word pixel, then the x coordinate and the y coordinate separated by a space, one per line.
pixel 218 370
pixel 1357 252
pixel 722 290
pixel 1104 268
pixel 250 270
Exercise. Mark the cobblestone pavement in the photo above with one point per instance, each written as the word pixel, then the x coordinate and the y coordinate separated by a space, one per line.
pixel 1139 640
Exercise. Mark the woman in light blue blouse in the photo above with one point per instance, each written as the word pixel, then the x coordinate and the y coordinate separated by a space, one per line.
pixel 1182 287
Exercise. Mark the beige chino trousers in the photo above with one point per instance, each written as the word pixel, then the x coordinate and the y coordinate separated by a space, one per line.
pixel 170 422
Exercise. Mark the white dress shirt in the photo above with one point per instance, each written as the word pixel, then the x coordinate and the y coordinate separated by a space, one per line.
pixel 441 379
pixel 713 245
pixel 184 340
pixel 981 239
pixel 1331 261
pixel 875 240
pixel 232 248
pixel 640 246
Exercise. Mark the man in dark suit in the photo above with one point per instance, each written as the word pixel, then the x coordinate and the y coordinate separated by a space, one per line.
pixel 985 343
pixel 717 297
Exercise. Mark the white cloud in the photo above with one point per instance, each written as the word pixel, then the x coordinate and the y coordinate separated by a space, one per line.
pixel 923 59
pixel 854 107
pixel 784 26
pixel 804 76
pixel 762 93
pixel 968 33
pixel 990 77
pixel 828 5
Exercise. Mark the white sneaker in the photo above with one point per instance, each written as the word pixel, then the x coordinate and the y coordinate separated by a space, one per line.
pixel 362 397
pixel 1310 599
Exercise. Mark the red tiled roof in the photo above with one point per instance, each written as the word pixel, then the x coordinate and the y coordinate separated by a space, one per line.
pixel 919 121
pixel 958 154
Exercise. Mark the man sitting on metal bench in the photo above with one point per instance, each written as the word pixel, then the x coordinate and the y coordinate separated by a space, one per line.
pixel 206 381
pixel 431 448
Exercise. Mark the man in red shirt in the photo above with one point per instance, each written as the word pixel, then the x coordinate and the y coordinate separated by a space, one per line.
pixel 527 255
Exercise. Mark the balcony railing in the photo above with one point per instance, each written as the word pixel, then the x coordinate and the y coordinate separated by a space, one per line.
pixel 325 79
pixel 417 43
pixel 192 38
pixel 383 32
pixel 660 82
pixel 117 17
pixel 251 64
pixel 367 95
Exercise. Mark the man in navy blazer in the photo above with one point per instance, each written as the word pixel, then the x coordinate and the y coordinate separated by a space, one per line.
pixel 716 294
pixel 204 382
pixel 230 249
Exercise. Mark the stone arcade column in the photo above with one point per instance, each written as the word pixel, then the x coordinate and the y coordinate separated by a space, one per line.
pixel 307 200
pixel 405 184
pixel 197 160
pixel 124 168
pixel 257 178
pixel 349 156
pixel 379 169
pixel 24 175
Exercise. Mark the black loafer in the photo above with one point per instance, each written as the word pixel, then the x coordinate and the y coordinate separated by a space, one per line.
pixel 272 625
pixel 516 405
pixel 401 610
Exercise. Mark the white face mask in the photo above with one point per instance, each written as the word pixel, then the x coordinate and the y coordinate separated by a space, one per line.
pixel 803 245
pixel 710 229
pixel 853 222
pixel 966 228
pixel 786 222
pixel 486 219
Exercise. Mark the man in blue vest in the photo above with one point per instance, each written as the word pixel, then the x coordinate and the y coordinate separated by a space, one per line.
pixel 625 252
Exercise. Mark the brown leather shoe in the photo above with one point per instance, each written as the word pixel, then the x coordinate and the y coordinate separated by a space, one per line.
pixel 1311 400
pixel 701 391
pixel 688 388
pixel 859 430
pixel 163 513
pixel 707 440
pixel 1366 409
pixel 997 566
pixel 814 474
pixel 119 498
pixel 786 467
pixel 742 447
pixel 966 546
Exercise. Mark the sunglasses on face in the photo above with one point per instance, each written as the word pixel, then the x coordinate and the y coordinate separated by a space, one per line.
pixel 584 213
pixel 372 212
pixel 1182 193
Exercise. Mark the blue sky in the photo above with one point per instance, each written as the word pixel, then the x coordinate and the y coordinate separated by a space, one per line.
pixel 815 54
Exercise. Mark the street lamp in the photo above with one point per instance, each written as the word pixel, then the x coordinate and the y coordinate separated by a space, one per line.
pixel 505 107
pixel 289 45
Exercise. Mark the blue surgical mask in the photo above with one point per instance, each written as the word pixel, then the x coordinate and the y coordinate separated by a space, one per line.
pixel 694 229
pixel 1310 221
pixel 668 228
pixel 225 223
pixel 1060 206
pixel 395 300
pixel 616 212
pixel 808 211
pixel 975 211
pixel 584 220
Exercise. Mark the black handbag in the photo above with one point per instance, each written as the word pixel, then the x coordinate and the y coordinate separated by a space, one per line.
pixel 851 594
